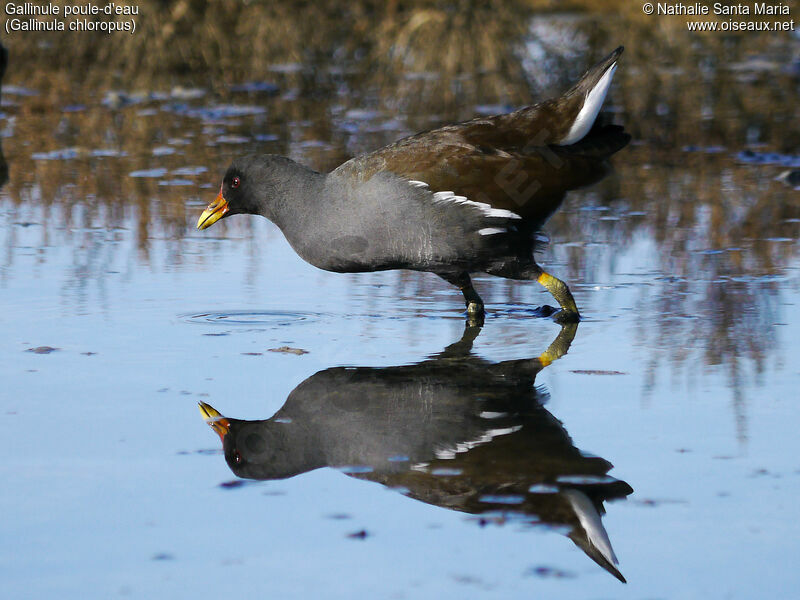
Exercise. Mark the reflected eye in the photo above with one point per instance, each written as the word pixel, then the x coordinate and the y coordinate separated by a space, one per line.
pixel 235 182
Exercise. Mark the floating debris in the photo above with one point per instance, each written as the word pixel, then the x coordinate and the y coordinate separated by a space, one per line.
pixel 42 349
pixel 358 535
pixel 289 350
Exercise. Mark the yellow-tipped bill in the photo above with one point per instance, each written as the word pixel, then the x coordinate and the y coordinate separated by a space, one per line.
pixel 214 419
pixel 215 211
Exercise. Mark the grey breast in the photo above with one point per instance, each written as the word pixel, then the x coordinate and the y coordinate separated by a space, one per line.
pixel 381 223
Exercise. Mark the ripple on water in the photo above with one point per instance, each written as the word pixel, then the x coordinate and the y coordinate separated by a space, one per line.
pixel 520 311
pixel 268 318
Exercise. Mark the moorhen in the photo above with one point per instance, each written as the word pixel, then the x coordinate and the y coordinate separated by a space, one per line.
pixel 456 200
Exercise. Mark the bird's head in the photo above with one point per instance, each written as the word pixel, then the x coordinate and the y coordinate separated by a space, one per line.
pixel 232 199
pixel 223 427
pixel 250 186
pixel 268 449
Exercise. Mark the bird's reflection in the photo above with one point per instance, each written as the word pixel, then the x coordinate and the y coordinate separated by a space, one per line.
pixel 455 431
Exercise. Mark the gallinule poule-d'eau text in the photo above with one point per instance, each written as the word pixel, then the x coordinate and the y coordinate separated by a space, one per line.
pixel 456 200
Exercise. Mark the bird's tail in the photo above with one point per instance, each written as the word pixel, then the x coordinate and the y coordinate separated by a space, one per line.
pixel 592 88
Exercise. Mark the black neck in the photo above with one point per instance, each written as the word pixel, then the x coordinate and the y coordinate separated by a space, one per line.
pixel 293 185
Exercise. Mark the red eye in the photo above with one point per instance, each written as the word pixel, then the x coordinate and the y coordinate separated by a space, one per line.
pixel 236 455
pixel 235 182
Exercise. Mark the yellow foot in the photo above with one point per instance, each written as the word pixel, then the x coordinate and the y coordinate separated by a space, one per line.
pixel 560 292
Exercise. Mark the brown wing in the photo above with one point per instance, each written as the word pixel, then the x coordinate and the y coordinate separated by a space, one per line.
pixel 512 161
pixel 494 160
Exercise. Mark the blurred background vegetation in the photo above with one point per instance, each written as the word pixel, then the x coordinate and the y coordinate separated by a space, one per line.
pixel 438 57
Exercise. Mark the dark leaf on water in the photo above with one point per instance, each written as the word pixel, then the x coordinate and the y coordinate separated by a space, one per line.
pixel 42 349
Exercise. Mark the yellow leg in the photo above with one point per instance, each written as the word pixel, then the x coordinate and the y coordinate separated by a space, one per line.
pixel 561 293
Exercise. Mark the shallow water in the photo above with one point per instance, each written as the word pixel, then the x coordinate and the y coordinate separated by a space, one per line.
pixel 402 456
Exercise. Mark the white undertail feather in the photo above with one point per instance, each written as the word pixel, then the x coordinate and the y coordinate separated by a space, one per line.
pixel 591 108
pixel 590 521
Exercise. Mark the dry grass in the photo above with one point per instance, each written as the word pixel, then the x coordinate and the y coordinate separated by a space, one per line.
pixel 227 40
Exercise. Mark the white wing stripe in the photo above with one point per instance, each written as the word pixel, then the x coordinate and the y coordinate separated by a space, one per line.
pixel 449 452
pixel 450 197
